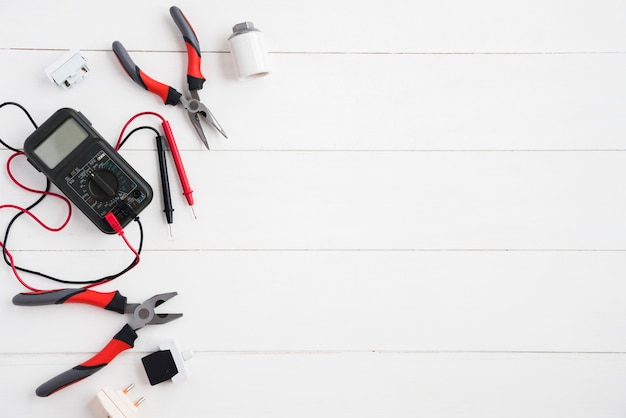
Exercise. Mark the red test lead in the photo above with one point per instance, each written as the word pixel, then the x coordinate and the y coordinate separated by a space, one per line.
pixel 178 162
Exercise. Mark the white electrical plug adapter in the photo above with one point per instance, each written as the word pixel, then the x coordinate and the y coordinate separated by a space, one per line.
pixel 68 69
pixel 116 404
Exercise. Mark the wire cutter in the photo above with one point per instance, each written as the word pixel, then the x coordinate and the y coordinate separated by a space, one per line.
pixel 195 79
pixel 142 314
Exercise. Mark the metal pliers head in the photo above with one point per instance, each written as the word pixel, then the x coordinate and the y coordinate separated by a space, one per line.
pixel 195 110
pixel 144 313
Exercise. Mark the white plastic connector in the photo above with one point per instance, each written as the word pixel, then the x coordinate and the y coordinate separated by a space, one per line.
pixel 180 358
pixel 68 69
pixel 116 404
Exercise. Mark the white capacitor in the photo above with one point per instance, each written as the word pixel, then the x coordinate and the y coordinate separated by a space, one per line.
pixel 247 47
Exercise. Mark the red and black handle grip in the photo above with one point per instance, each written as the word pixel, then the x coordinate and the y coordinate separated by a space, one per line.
pixel 123 340
pixel 112 301
pixel 195 79
pixel 168 94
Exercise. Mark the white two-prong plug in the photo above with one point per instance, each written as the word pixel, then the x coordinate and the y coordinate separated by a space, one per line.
pixel 116 403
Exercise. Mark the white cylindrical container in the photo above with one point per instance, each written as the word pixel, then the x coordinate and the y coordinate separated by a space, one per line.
pixel 247 47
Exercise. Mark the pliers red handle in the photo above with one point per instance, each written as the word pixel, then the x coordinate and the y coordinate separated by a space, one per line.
pixel 142 314
pixel 195 80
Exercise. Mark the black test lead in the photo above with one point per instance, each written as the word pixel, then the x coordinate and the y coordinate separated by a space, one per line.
pixel 165 184
pixel 173 147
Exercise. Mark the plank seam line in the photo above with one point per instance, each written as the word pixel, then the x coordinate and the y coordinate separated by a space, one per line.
pixel 341 52
pixel 216 151
pixel 340 352
pixel 269 250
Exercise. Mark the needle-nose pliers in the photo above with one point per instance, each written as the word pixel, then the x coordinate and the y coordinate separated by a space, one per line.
pixel 195 80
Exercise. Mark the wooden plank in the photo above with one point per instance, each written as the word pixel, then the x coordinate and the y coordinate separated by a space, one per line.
pixel 329 25
pixel 319 102
pixel 346 384
pixel 369 200
pixel 340 301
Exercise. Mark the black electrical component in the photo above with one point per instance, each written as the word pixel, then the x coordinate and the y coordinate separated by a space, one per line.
pixel 160 366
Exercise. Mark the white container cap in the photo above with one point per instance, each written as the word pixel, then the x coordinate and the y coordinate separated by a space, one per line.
pixel 247 48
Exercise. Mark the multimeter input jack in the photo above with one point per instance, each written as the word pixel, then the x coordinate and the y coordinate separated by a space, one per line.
pixel 123 211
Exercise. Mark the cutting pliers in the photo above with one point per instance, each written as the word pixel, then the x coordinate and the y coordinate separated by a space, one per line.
pixel 195 79
pixel 142 314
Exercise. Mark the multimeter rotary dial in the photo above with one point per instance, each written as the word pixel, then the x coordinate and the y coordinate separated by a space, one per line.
pixel 101 184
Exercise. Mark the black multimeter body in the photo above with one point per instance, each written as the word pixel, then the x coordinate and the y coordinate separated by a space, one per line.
pixel 87 169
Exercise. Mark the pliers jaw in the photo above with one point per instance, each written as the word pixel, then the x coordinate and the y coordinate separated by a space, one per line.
pixel 195 108
pixel 144 313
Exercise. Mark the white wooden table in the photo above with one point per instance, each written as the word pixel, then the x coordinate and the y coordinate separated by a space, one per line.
pixel 420 212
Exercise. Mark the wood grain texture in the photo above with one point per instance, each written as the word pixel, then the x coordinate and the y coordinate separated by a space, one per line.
pixel 510 301
pixel 357 384
pixel 353 102
pixel 372 200
pixel 335 26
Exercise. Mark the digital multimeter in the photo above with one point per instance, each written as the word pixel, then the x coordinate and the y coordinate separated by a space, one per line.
pixel 87 169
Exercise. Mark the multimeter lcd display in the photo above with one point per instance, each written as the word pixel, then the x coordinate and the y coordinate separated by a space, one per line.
pixel 61 143
pixel 86 168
